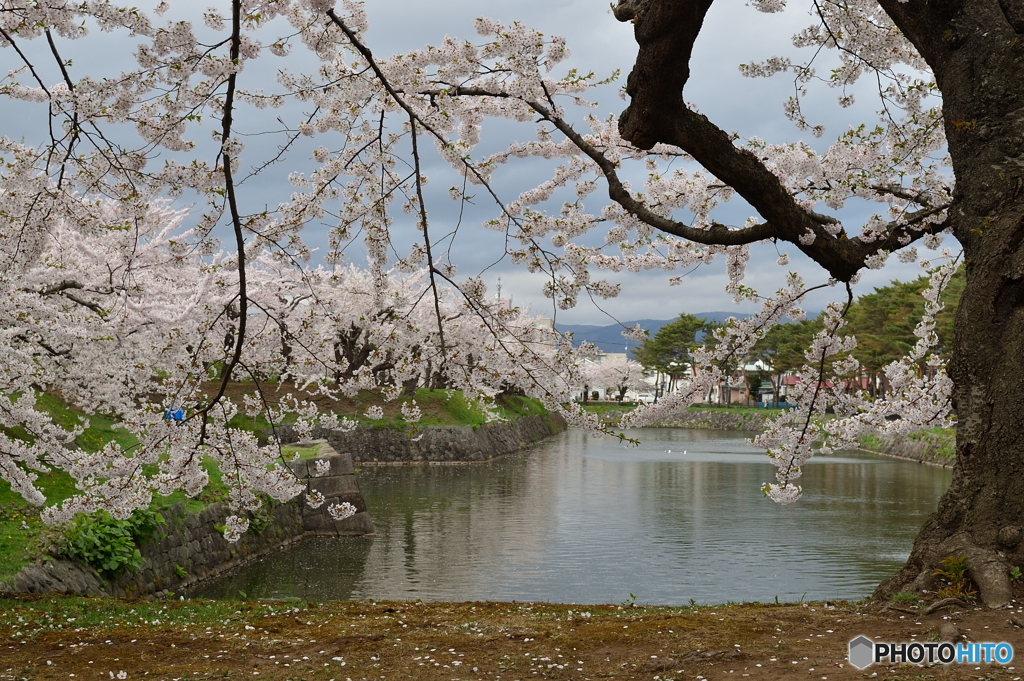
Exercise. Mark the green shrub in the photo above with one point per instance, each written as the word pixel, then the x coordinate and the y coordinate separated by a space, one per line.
pixel 260 520
pixel 107 544
pixel 954 571
pixel 872 442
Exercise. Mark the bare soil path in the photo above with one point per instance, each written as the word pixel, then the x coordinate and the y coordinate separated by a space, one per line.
pixel 86 639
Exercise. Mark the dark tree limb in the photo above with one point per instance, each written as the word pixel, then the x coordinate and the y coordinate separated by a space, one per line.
pixel 743 171
pixel 665 31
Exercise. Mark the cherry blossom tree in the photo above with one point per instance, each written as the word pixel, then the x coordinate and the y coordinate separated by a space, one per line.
pixel 619 373
pixel 117 305
pixel 967 52
pixel 91 249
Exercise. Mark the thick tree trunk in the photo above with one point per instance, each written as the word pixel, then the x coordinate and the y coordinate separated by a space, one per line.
pixel 982 513
pixel 979 62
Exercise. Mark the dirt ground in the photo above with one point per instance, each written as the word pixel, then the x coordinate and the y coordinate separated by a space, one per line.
pixel 179 640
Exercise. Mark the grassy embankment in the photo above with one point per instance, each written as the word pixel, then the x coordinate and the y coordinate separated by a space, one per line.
pixel 941 443
pixel 20 524
pixel 438 408
pixel 737 409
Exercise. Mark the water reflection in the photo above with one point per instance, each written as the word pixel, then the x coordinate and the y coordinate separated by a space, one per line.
pixel 587 520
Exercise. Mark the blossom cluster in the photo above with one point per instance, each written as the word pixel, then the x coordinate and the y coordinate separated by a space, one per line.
pixel 127 307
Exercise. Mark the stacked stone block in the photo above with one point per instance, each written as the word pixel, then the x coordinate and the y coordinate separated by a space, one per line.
pixel 338 485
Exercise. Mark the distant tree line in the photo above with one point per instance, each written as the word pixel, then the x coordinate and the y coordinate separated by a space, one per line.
pixel 882 321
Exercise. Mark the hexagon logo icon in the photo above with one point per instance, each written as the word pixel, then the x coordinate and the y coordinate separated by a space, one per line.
pixel 862 652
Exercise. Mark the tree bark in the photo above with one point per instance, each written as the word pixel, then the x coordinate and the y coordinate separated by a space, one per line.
pixel 981 514
pixel 978 62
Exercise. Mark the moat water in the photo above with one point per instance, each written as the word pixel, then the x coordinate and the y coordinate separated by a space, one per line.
pixel 578 519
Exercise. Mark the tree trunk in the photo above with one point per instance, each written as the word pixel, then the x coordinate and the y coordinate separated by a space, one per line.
pixel 978 60
pixel 981 514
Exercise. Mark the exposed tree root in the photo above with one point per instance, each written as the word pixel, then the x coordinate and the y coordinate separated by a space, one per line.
pixel 988 569
pixel 944 603
pixel 991 573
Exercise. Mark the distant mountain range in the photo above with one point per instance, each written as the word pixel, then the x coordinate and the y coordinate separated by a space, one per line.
pixel 610 339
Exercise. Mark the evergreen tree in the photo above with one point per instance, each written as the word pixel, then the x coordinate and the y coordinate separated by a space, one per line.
pixel 670 350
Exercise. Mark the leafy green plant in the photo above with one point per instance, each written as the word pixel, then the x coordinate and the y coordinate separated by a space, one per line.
pixel 1015 574
pixel 260 520
pixel 180 571
pixel 907 598
pixel 954 571
pixel 105 543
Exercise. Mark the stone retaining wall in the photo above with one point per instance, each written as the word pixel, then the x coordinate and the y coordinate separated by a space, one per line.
pixel 338 485
pixel 190 547
pixel 938 450
pixel 438 444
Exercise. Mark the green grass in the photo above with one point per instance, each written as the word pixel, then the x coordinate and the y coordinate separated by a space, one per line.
pixel 871 442
pixel 216 491
pixel 19 527
pixel 438 408
pixel 516 406
pixel 304 453
pixel 906 598
pixel 450 408
pixel 75 613
pixel 442 408
pixel 101 428
pixel 20 524
pixel 738 410
pixel 605 407
pixel 942 440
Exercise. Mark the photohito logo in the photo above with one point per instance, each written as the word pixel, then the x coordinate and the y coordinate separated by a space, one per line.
pixel 865 652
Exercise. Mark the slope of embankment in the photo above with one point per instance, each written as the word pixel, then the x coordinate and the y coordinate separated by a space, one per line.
pixel 936 446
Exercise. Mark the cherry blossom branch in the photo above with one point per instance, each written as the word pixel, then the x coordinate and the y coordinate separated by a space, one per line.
pixel 396 95
pixel 431 269
pixel 236 220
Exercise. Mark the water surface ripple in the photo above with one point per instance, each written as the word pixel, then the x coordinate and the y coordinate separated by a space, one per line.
pixel 579 519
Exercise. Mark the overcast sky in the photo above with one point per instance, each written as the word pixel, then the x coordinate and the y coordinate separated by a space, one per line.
pixel 733 33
